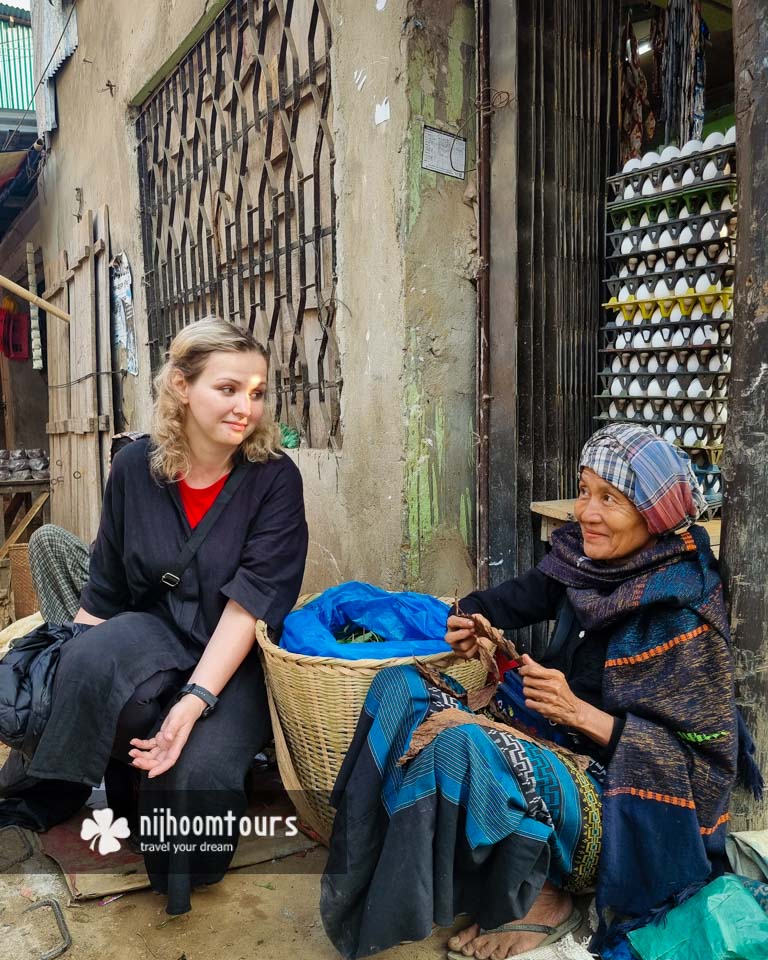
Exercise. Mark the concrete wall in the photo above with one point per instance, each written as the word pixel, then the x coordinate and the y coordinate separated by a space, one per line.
pixel 396 505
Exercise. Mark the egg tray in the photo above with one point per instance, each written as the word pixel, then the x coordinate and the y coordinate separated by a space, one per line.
pixel 687 302
pixel 653 231
pixel 721 156
pixel 723 322
pixel 689 251
pixel 716 380
pixel 667 333
pixel 704 440
pixel 716 273
pixel 677 405
pixel 711 191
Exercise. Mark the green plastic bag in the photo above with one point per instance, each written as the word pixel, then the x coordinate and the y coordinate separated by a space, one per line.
pixel 723 921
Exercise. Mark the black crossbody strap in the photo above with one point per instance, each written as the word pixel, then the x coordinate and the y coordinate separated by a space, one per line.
pixel 172 576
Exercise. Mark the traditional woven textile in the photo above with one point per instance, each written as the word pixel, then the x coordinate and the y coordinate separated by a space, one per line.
pixel 655 475
pixel 669 671
pixel 474 823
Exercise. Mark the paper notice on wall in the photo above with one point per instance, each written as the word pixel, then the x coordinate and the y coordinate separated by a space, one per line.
pixel 444 153
pixel 123 325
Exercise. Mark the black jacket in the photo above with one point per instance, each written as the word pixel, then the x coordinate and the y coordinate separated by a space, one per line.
pixel 26 683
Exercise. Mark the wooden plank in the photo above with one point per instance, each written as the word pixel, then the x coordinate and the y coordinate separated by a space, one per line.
pixel 24 294
pixel 9 514
pixel 28 517
pixel 58 397
pixel 557 509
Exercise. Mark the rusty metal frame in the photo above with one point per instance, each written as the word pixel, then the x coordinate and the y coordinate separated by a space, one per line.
pixel 236 163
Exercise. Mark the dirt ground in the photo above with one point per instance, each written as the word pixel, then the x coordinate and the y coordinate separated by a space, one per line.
pixel 266 912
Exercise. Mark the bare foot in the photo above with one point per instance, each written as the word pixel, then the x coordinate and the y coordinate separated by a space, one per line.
pixel 550 908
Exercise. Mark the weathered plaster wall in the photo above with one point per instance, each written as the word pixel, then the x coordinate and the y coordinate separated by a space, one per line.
pixel 439 249
pixel 395 505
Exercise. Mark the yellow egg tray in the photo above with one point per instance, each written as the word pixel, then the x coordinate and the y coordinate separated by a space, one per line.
pixel 687 301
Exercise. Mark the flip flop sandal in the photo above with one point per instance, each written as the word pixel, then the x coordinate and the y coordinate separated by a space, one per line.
pixel 553 934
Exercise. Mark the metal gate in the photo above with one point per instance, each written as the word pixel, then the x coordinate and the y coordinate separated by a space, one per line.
pixel 236 162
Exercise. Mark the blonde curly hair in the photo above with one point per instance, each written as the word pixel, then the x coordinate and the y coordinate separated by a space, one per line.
pixel 188 354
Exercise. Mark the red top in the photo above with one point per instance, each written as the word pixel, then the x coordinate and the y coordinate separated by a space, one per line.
pixel 198 501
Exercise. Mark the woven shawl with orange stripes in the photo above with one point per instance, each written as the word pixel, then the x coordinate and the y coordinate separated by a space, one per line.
pixel 669 671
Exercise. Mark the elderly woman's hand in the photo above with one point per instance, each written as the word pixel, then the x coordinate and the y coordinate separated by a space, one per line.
pixel 547 692
pixel 461 636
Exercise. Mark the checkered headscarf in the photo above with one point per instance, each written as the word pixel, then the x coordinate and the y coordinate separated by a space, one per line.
pixel 655 475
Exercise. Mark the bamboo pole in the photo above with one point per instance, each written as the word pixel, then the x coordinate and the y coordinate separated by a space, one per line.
pixel 22 292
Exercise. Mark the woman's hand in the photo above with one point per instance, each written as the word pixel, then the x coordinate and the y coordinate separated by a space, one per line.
pixel 461 636
pixel 159 753
pixel 547 692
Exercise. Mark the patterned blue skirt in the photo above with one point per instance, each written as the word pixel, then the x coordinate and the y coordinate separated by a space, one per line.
pixel 474 824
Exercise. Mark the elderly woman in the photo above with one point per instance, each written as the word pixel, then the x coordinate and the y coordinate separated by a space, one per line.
pixel 620 751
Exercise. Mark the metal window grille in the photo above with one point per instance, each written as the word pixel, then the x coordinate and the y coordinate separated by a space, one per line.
pixel 236 160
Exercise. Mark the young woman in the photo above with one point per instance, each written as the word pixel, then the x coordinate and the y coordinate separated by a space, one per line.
pixel 166 680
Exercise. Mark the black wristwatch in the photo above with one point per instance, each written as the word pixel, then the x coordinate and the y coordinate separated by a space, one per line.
pixel 205 695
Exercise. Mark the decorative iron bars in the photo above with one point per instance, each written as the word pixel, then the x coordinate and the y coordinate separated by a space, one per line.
pixel 236 161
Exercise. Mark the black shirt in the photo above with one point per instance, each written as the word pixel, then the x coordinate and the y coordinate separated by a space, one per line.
pixel 254 554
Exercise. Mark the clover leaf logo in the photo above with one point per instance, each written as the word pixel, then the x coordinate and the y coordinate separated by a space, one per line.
pixel 103 829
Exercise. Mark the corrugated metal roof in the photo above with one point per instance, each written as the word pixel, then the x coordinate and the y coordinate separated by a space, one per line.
pixel 16 73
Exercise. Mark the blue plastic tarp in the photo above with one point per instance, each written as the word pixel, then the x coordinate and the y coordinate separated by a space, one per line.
pixel 411 624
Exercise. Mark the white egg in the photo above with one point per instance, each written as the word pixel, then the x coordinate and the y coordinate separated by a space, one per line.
pixel 647 243
pixel 616 389
pixel 660 266
pixel 701 259
pixel 692 146
pixel 613 411
pixel 641 269
pixel 678 338
pixel 634 365
pixel 726 203
pixel 661 289
pixel 709 413
pixel 717 310
pixel 629 413
pixel 644 221
pixel 648 412
pixel 665 240
pixel 726 367
pixel 710 171
pixel 692 366
pixel 670 435
pixel 683 213
pixel 724 414
pixel 688 413
pixel 730 135
pixel 680 263
pixel 629 193
pixel 653 364
pixel 649 159
pixel 626 246
pixel 708 230
pixel 616 365
pixel 713 141
pixel 648 188
pixel 675 314
pixel 714 363
pixel 672 364
pixel 690 437
pixel 656 316
pixel 668 184
pixel 669 153
pixel 686 236
pixel 668 413
pixel 624 295
pixel 632 164
pixel 657 340
pixel 663 216
pixel 703 284
pixel 654 388
pixel 689 177
pixel 723 256
pixel 627 224
pixel 643 292
pixel 681 287
pixel 635 390
pixel 698 391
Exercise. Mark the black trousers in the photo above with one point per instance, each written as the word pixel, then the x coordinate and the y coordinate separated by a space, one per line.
pixel 115 682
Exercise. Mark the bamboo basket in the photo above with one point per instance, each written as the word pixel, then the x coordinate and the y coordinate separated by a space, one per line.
pixel 25 599
pixel 314 704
